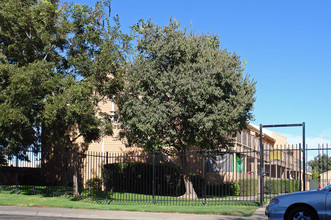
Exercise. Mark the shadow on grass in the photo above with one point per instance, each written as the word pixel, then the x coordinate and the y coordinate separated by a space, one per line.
pixel 119 198
pixel 44 191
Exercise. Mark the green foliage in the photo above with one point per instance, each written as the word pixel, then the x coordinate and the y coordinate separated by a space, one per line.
pixel 198 184
pixel 137 177
pixel 321 163
pixel 213 190
pixel 183 90
pixel 315 174
pixel 56 63
pixel 94 183
pixel 248 187
pixel 281 186
pixel 21 175
pixel 3 161
pixel 235 188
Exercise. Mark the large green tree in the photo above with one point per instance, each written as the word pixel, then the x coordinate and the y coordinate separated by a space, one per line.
pixel 321 163
pixel 57 61
pixel 183 90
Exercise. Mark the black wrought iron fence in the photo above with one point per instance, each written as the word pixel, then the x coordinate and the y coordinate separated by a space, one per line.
pixel 283 170
pixel 319 162
pixel 194 177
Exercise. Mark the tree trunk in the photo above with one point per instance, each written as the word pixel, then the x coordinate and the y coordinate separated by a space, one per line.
pixel 75 184
pixel 189 188
pixel 75 190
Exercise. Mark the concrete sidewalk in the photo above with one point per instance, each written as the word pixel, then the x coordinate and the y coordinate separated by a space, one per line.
pixel 120 215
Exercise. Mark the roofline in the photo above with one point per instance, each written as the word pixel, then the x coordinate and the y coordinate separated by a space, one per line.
pixel 257 129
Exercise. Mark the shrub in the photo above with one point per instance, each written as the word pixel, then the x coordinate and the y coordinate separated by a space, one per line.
pixel 248 187
pixel 235 188
pixel 281 186
pixel 137 177
pixel 223 189
pixel 198 184
pixel 211 190
pixel 94 183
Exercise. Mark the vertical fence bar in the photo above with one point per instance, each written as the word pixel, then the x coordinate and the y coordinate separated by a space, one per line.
pixel 105 171
pixel 123 196
pixel 153 180
pixel 300 167
pixel 327 153
pixel 16 175
pixel 261 167
pixel 65 175
pixel 284 152
pixel 205 176
pixel 304 155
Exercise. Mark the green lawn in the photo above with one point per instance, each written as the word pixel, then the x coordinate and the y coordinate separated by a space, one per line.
pixel 126 197
pixel 23 199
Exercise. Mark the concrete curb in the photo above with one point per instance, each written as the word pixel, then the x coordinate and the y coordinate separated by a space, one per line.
pixel 118 215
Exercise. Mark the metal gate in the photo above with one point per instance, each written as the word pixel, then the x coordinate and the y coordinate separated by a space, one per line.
pixel 282 171
pixel 282 168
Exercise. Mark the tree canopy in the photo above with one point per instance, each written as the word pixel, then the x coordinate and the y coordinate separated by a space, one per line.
pixel 57 61
pixel 183 90
pixel 321 163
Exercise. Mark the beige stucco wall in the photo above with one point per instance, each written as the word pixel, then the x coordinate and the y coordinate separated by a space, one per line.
pixel 109 143
pixel 115 145
pixel 280 140
pixel 325 178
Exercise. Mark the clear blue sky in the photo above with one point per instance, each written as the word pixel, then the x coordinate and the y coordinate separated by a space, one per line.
pixel 286 45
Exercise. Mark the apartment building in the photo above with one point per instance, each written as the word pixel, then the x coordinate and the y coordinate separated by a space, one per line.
pixel 240 161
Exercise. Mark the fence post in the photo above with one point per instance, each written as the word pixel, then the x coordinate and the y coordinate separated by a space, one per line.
pixel 75 173
pixel 106 182
pixel 261 168
pixel 65 174
pixel 204 177
pixel 304 155
pixel 16 175
pixel 153 181
pixel 300 168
